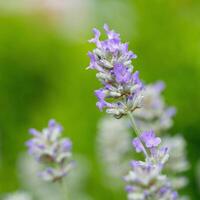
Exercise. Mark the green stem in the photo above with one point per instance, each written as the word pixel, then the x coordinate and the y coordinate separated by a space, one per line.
pixel 133 124
pixel 136 130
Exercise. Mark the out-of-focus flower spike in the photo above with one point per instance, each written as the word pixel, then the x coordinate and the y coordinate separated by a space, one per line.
pixel 49 149
pixel 154 113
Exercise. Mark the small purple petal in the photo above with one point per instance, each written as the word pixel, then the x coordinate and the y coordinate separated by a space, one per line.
pixel 148 137
pixel 138 145
pixel 129 188
pixel 52 123
pixel 101 104
pixel 134 163
pixel 96 37
pixel 100 94
pixel 112 34
pixel 122 74
pixel 136 77
pixel 170 112
pixel 34 132
pixel 29 143
pixel 67 145
pixel 159 86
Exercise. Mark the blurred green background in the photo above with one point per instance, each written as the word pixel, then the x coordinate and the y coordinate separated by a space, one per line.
pixel 43 58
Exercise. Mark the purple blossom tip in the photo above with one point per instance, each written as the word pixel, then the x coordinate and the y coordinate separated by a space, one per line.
pixel 134 163
pixel 165 150
pixel 175 195
pixel 150 140
pixel 137 145
pixel 129 188
pixel 171 111
pixel 49 170
pixel 136 78
pixel 106 27
pixel 33 131
pixel 100 94
pixel 96 32
pixel 52 123
pixel 111 34
pixel 96 36
pixel 29 143
pixel 160 86
pixel 101 104
pixel 67 145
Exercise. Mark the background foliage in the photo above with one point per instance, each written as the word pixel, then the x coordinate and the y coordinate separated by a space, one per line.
pixel 42 75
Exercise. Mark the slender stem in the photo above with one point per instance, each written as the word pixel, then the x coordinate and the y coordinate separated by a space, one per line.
pixel 137 131
pixel 133 124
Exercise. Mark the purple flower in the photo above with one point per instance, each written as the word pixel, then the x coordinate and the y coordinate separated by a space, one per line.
pixel 93 62
pixel 159 86
pixel 145 179
pixel 34 132
pixel 167 191
pixel 100 94
pixel 96 37
pixel 129 188
pixel 111 34
pixel 136 78
pixel 170 112
pixel 138 145
pixel 122 88
pixel 66 145
pixel 134 164
pixel 48 148
pixel 122 74
pixel 174 195
pixel 150 140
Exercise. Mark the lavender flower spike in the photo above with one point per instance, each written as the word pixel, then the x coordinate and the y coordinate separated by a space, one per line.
pixel 49 149
pixel 122 89
pixel 145 180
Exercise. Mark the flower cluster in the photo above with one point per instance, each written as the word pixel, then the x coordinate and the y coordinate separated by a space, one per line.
pixel 122 89
pixel 50 150
pixel 145 179
pixel 122 94
pixel 154 114
pixel 177 162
